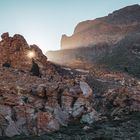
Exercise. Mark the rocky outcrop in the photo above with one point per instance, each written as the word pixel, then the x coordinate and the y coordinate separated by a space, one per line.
pixel 14 52
pixel 109 29
pixel 36 105
pixel 33 106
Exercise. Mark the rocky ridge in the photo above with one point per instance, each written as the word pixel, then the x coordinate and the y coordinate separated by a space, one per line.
pixel 109 29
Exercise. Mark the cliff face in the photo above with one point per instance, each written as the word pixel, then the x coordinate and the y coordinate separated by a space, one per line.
pixel 109 29
pixel 123 56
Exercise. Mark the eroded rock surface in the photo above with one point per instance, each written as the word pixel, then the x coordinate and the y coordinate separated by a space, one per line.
pixel 33 105
pixel 14 52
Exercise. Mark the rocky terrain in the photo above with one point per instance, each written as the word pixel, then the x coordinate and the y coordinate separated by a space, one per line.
pixel 109 29
pixel 62 102
pixel 37 104
pixel 91 93
pixel 126 128
pixel 106 53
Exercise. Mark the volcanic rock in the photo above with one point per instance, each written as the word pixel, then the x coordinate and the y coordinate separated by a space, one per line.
pixel 32 105
pixel 46 122
pixel 87 91
pixel 109 29
pixel 90 117
pixel 14 52
pixel 11 130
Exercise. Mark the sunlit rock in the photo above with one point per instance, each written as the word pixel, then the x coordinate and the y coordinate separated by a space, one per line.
pixel 87 91
pixel 14 53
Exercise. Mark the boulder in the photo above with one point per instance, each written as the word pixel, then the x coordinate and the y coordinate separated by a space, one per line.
pixel 61 116
pixel 40 90
pixel 46 122
pixel 79 107
pixel 25 116
pixel 66 102
pixel 90 117
pixel 5 110
pixel 75 90
pixel 11 129
pixel 87 91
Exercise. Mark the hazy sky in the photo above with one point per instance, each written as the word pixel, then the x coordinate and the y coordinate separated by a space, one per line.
pixel 42 22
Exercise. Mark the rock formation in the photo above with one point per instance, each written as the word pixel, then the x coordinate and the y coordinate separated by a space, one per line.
pixel 33 105
pixel 14 51
pixel 109 29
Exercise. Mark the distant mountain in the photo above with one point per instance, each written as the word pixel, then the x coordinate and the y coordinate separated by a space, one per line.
pixel 112 41
pixel 123 56
pixel 109 29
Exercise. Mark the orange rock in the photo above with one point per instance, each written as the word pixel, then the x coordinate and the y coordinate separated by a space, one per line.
pixel 14 52
pixel 46 122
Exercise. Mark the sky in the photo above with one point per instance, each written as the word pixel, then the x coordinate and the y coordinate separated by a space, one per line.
pixel 42 22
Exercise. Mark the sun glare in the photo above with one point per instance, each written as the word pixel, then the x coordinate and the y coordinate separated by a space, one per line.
pixel 31 54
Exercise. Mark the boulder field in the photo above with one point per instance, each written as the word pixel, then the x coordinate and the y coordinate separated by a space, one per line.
pixel 36 105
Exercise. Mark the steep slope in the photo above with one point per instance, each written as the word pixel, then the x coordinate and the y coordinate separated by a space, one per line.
pixel 109 29
pixel 111 41
pixel 123 56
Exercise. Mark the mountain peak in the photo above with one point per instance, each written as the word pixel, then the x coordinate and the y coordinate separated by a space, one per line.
pixel 130 8
pixel 109 29
pixel 125 15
